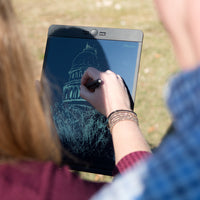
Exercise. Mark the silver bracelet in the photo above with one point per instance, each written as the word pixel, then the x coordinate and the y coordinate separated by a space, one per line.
pixel 121 115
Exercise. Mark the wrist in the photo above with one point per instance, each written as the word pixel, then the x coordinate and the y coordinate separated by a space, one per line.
pixel 127 138
pixel 116 108
pixel 121 115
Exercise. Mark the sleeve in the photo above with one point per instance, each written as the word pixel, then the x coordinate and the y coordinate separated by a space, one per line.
pixel 130 160
pixel 61 183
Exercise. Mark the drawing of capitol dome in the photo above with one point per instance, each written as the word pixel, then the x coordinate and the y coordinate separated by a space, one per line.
pixel 83 60
pixel 82 130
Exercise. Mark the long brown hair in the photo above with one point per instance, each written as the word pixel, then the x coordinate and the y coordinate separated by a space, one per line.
pixel 24 133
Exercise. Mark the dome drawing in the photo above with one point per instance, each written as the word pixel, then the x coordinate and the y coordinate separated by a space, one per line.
pixel 86 58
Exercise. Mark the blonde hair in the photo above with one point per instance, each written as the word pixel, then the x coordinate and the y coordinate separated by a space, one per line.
pixel 24 133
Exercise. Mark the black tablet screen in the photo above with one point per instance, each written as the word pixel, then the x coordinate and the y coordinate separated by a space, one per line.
pixel 82 130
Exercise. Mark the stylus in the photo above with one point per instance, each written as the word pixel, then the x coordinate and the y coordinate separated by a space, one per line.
pixel 92 85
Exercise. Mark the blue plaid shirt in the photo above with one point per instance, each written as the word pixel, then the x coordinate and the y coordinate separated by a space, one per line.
pixel 173 172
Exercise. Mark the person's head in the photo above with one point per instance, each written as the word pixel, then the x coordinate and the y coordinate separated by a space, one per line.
pixel 24 133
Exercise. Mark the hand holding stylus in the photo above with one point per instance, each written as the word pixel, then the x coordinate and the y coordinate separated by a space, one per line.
pixel 111 93
pixel 93 84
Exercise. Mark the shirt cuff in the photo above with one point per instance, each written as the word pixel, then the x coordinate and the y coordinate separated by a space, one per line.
pixel 130 160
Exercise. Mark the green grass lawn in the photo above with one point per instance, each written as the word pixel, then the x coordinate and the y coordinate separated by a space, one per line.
pixel 157 61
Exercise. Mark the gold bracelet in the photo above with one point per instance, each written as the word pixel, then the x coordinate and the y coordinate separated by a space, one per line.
pixel 121 115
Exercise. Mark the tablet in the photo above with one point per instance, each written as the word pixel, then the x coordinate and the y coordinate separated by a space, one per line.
pixel 70 50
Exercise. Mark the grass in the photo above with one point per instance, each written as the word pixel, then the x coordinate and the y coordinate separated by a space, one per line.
pixel 157 61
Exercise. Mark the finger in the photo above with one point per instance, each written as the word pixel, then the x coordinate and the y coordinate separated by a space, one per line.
pixel 120 79
pixel 118 76
pixel 109 72
pixel 90 73
pixel 85 93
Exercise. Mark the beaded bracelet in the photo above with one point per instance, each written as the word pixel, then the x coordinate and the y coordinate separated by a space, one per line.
pixel 121 115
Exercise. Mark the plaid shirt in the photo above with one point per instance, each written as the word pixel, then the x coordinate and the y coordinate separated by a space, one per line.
pixel 174 170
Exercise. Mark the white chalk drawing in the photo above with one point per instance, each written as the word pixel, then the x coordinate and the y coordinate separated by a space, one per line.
pixel 81 128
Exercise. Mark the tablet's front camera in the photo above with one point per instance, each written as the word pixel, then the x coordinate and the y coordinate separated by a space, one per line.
pixel 94 32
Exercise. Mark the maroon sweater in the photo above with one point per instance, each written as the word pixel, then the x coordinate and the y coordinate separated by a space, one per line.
pixel 38 181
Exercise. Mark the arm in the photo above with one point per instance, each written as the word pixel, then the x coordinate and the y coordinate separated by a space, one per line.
pixel 193 27
pixel 127 138
pixel 111 96
pixel 180 19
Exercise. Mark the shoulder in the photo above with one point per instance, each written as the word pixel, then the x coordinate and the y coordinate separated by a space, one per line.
pixel 26 171
pixel 33 180
pixel 27 178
